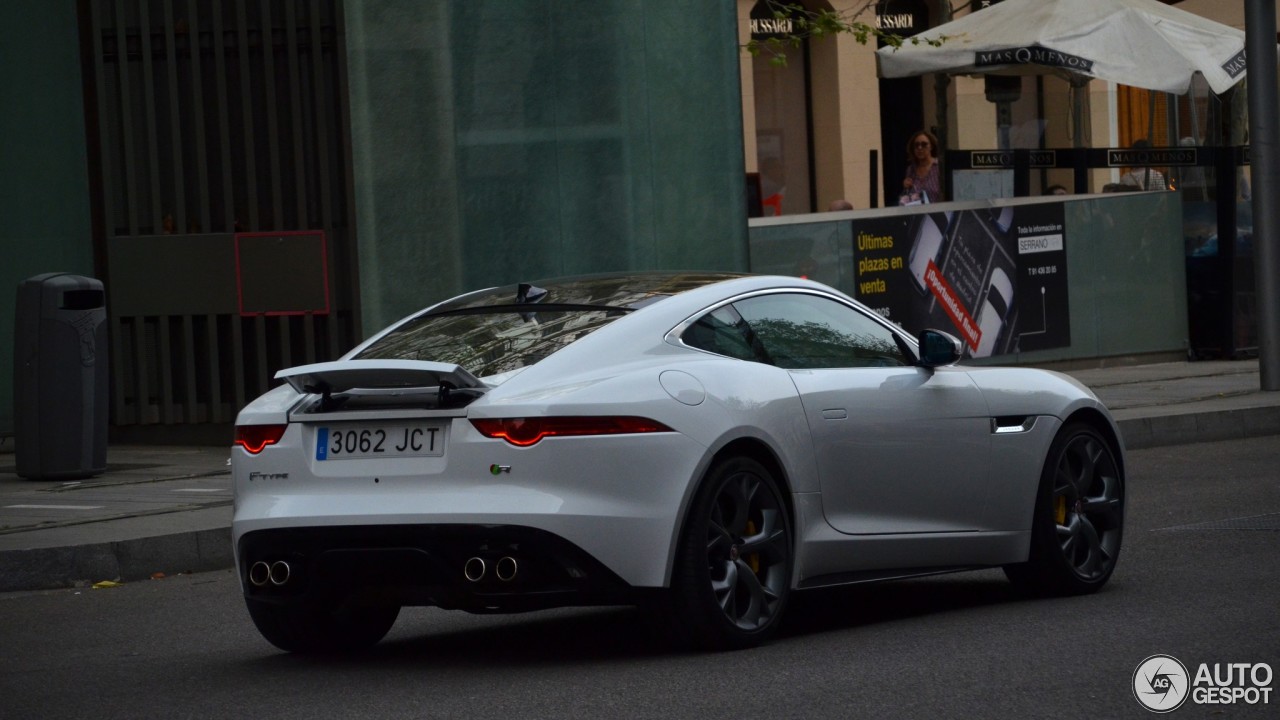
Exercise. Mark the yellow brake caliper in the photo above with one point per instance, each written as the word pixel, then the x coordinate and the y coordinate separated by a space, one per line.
pixel 1060 510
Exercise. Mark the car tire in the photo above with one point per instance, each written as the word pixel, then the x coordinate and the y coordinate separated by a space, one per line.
pixel 733 567
pixel 312 628
pixel 1078 519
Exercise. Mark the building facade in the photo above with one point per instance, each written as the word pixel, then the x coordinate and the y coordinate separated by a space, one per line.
pixel 824 126
pixel 260 184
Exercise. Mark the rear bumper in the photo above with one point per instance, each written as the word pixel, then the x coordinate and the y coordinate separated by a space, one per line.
pixel 617 499
pixel 479 568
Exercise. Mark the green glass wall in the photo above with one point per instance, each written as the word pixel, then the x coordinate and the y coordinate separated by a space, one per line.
pixel 497 141
pixel 1126 271
pixel 44 184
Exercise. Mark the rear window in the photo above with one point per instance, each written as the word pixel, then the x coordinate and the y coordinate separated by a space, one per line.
pixel 489 343
pixel 489 333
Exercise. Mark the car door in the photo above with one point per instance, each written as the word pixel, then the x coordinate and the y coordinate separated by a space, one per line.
pixel 899 448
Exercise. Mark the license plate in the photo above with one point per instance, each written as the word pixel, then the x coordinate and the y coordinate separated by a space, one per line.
pixel 342 442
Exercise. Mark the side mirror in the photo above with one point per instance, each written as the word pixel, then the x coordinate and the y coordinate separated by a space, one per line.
pixel 938 348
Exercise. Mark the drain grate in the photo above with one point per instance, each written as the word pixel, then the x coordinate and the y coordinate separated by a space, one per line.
pixel 1270 521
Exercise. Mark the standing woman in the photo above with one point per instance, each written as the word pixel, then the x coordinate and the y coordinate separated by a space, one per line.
pixel 922 173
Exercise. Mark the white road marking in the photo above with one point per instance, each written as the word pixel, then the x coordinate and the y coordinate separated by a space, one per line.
pixel 54 507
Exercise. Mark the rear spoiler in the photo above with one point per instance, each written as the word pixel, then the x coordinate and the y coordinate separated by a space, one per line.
pixel 340 376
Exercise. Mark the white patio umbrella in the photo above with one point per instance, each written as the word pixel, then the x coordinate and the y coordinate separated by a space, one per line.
pixel 1142 43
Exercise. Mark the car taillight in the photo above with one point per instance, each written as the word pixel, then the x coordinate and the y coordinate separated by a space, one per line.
pixel 527 431
pixel 253 438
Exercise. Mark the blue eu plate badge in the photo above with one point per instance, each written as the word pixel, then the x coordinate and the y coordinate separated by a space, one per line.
pixel 322 444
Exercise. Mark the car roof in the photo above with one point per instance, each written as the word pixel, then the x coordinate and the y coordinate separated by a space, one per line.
pixel 631 290
pixel 681 293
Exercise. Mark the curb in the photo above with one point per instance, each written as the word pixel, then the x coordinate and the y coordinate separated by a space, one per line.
pixel 1189 428
pixel 122 560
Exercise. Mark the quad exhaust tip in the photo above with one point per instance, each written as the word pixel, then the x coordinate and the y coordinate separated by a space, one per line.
pixel 259 574
pixel 474 569
pixel 506 569
pixel 276 573
pixel 279 573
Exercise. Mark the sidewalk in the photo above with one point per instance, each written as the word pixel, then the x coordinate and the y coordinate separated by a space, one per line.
pixel 167 510
pixel 155 510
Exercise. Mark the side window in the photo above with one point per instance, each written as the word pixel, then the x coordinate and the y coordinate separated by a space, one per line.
pixel 798 331
pixel 723 332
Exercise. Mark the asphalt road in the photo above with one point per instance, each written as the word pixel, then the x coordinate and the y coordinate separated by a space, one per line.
pixel 954 646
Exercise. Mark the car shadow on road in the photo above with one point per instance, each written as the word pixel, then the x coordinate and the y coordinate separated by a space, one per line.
pixel 603 635
pixel 554 637
pixel 854 606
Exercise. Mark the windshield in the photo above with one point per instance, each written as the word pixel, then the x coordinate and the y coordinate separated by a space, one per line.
pixel 508 328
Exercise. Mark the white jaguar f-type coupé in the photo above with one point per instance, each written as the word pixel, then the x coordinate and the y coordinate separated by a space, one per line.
pixel 701 444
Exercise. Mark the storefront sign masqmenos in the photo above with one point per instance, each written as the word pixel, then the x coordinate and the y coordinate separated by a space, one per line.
pixel 1032 55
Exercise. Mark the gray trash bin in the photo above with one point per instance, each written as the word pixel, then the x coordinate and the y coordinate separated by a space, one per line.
pixel 60 377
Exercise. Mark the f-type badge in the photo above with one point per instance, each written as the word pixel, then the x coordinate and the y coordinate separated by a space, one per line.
pixel 499 469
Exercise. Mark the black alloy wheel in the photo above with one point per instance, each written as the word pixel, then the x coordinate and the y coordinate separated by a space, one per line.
pixel 734 571
pixel 1079 517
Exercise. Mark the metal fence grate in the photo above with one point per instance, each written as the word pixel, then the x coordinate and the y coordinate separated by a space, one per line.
pixel 208 119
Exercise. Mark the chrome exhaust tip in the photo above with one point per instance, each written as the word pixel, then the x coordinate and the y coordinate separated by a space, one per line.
pixel 259 574
pixel 506 569
pixel 279 572
pixel 474 569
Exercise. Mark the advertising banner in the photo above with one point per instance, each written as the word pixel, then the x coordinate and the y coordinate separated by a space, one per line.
pixel 995 277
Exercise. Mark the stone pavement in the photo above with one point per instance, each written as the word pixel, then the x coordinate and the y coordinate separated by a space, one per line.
pixel 155 510
pixel 167 510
